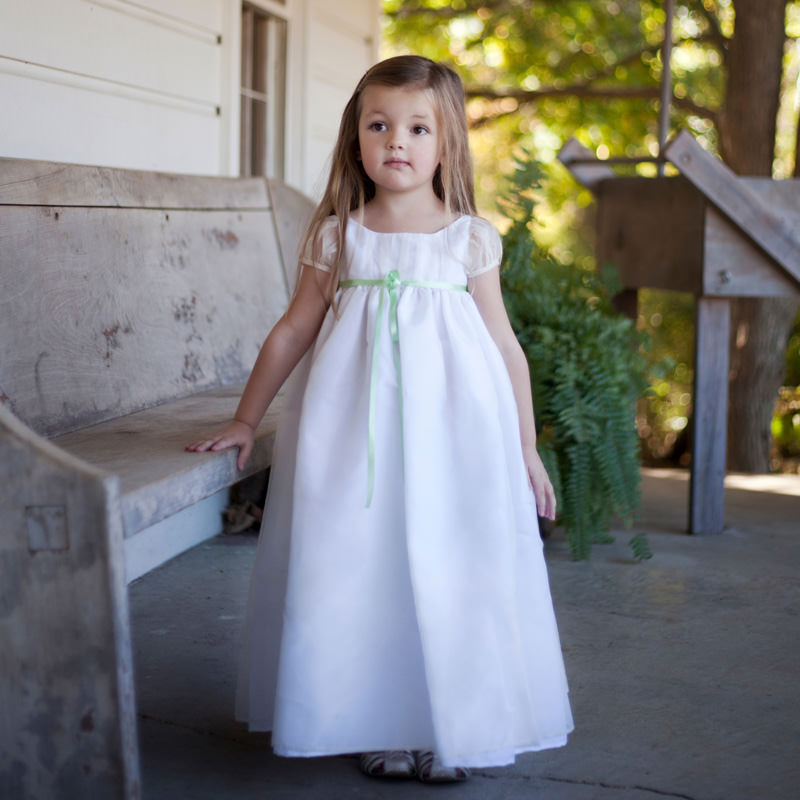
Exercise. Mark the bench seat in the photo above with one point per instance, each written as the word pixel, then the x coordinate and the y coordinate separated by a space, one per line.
pixel 145 451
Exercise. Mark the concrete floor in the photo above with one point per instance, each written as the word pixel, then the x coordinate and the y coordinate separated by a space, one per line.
pixel 683 669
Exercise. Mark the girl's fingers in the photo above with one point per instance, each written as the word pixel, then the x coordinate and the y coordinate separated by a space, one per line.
pixel 544 507
pixel 545 499
pixel 542 486
pixel 199 447
pixel 223 442
pixel 550 502
pixel 551 508
pixel 215 443
pixel 242 460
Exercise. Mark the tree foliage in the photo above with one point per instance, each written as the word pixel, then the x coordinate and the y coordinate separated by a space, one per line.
pixel 573 66
pixel 540 71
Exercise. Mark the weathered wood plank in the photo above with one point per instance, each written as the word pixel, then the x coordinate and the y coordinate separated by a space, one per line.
pixel 292 212
pixel 710 414
pixel 46 183
pixel 104 312
pixel 652 229
pixel 735 267
pixel 733 198
pixel 588 175
pixel 146 451
pixel 107 309
pixel 66 684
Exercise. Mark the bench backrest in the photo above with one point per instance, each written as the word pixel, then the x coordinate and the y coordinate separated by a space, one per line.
pixel 120 290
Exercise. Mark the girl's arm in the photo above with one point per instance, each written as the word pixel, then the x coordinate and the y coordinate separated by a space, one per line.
pixel 485 290
pixel 286 344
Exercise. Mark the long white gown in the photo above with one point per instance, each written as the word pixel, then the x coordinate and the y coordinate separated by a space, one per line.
pixel 423 620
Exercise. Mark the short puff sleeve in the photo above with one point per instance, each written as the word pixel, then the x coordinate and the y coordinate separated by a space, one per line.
pixel 485 247
pixel 325 246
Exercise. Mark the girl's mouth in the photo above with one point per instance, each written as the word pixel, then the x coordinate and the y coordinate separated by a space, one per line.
pixel 397 162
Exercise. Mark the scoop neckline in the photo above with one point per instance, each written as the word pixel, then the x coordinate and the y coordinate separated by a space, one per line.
pixel 409 233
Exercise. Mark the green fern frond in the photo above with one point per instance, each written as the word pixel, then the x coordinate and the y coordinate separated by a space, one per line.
pixel 641 547
pixel 587 372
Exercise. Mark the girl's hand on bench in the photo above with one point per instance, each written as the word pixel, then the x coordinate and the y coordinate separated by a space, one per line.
pixel 236 434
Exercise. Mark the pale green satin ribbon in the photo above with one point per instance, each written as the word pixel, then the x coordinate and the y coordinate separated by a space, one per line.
pixel 388 285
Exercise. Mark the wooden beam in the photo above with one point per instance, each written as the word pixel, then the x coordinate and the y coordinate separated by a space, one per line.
pixel 734 199
pixel 735 267
pixel 93 290
pixel 46 183
pixel 652 229
pixel 710 416
pixel 588 175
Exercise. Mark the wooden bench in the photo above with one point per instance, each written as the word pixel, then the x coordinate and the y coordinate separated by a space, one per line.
pixel 132 307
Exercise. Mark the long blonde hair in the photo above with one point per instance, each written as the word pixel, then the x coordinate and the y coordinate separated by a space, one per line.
pixel 350 188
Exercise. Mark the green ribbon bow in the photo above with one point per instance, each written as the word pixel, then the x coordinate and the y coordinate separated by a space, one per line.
pixel 388 285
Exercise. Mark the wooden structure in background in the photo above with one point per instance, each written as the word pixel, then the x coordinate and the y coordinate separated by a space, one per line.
pixel 711 233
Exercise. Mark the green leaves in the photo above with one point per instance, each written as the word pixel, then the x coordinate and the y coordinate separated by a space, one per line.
pixel 641 547
pixel 586 370
pixel 564 57
pixel 538 72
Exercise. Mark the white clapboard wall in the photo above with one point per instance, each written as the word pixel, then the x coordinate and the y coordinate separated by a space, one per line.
pixel 341 45
pixel 154 84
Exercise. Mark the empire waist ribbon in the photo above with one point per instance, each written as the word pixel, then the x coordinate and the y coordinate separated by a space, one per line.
pixel 389 285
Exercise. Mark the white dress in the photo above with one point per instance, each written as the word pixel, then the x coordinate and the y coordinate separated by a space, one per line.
pixel 422 620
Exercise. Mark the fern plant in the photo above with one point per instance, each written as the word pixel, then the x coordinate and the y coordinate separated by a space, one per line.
pixel 587 372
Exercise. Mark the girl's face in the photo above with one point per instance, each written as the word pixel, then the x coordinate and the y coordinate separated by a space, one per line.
pixel 398 138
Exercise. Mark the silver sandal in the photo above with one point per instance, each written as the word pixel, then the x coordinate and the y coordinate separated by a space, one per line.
pixel 431 770
pixel 398 764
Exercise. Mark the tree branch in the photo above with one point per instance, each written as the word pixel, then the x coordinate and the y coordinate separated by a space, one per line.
pixel 582 91
pixel 715 33
pixel 448 12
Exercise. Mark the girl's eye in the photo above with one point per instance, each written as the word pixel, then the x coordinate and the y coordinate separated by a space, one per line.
pixel 420 130
pixel 377 126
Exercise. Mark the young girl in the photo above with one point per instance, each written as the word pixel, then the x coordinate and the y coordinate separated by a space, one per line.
pixel 399 599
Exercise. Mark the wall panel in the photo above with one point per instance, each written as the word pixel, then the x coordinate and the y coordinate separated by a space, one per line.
pixel 113 82
pixel 153 84
pixel 106 129
pixel 105 42
pixel 349 27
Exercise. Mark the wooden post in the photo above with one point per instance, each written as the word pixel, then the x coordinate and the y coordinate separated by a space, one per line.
pixel 66 672
pixel 627 303
pixel 709 420
pixel 665 102
pixel 581 162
